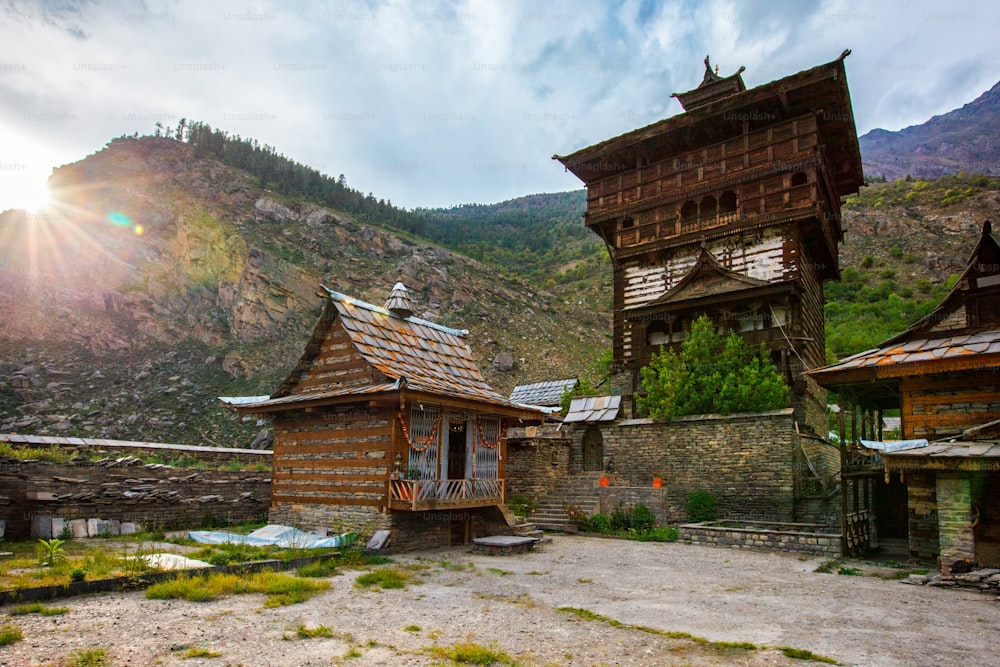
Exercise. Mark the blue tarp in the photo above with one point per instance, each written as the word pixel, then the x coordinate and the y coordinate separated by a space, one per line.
pixel 281 536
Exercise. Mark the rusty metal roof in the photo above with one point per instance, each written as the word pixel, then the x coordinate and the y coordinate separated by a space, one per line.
pixel 548 393
pixel 920 349
pixel 593 409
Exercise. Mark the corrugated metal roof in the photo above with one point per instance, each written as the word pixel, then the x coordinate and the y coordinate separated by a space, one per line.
pixel 242 400
pixel 548 393
pixel 593 409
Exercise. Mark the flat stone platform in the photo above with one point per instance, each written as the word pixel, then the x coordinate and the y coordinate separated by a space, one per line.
pixel 499 545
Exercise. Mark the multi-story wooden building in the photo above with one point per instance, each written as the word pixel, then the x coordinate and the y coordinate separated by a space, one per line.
pixel 730 209
pixel 387 423
pixel 943 375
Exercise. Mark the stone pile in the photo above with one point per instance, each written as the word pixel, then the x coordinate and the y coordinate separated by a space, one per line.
pixel 986 580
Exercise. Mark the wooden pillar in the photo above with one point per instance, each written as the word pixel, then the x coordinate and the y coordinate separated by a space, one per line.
pixel 843 477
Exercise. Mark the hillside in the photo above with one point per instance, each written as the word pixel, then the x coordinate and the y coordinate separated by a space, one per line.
pixel 163 279
pixel 966 139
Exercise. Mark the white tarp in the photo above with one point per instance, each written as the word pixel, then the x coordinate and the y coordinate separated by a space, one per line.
pixel 890 446
pixel 273 534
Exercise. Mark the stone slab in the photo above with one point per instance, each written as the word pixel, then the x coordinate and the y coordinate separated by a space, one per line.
pixel 504 541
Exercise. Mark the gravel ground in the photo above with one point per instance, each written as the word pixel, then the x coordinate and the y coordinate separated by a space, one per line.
pixel 512 602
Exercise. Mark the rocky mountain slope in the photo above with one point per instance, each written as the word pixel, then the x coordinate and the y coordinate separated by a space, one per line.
pixel 161 280
pixel 966 139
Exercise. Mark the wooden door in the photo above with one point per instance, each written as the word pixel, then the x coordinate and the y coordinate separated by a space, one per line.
pixel 456 451
pixel 593 450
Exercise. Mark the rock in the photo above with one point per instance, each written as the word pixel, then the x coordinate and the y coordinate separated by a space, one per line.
pixel 263 440
pixel 916 579
pixel 273 211
pixel 503 362
pixel 78 528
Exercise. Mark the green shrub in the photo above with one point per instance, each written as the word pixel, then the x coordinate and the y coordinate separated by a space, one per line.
pixel 641 519
pixel 619 520
pixel 660 534
pixel 599 523
pixel 701 506
pixel 78 574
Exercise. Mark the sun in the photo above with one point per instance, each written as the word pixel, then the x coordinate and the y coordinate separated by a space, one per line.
pixel 35 197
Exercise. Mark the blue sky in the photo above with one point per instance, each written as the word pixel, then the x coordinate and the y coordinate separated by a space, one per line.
pixel 443 103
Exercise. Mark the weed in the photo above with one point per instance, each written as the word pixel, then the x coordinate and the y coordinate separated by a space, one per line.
pixel 454 567
pixel 826 567
pixel 78 574
pixel 472 654
pixel 198 652
pixel 849 571
pixel 536 573
pixel 803 654
pixel 38 608
pixel 498 571
pixel 302 632
pixel 412 628
pixel 92 657
pixel 51 552
pixel 352 653
pixel 10 634
pixel 385 578
pixel 584 581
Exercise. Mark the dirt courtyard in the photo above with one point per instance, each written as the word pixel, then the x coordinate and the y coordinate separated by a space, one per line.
pixel 512 603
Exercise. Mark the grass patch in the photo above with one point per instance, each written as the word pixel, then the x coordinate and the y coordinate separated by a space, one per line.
pixel 199 652
pixel 353 556
pixel 412 628
pixel 38 608
pixel 51 454
pixel 91 657
pixel 352 653
pixel 499 572
pixel 10 634
pixel 454 567
pixel 388 577
pixel 721 647
pixel 472 654
pixel 318 569
pixel 849 571
pixel 803 654
pixel 281 589
pixel 827 567
pixel 302 632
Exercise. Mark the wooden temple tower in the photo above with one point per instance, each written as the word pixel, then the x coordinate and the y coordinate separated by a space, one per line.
pixel 730 209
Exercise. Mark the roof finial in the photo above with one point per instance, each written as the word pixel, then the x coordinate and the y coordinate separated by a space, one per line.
pixel 399 303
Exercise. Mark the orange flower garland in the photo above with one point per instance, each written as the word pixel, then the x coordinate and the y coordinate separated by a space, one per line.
pixel 482 438
pixel 406 433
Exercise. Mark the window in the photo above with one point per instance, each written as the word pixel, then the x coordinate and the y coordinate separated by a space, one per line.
pixel 799 178
pixel 657 334
pixel 593 449
pixel 708 208
pixel 727 202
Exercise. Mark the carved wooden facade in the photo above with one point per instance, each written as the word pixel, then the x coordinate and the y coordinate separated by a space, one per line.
pixel 731 210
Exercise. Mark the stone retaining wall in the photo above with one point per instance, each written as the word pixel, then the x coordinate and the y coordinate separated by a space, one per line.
pixel 811 539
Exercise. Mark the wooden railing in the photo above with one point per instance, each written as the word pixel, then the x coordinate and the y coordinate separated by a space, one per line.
pixel 418 494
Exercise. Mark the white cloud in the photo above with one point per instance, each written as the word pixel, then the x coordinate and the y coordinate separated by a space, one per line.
pixel 440 103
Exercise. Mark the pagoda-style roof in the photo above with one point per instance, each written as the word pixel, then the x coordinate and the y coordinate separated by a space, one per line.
pixel 404 353
pixel 712 87
pixel 821 90
pixel 707 278
pixel 942 341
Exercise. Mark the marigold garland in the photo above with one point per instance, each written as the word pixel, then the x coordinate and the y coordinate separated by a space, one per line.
pixel 482 438
pixel 406 433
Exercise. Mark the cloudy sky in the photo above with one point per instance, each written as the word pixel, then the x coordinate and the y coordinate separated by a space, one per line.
pixel 441 103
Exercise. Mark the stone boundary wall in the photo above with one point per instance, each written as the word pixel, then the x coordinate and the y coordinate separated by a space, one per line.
pixel 747 461
pixel 154 496
pixel 766 536
pixel 536 463
pixel 118 448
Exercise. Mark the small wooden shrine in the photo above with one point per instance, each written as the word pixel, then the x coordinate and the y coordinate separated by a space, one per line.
pixel 386 423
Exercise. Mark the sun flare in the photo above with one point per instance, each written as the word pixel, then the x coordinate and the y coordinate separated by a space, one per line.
pixel 36 197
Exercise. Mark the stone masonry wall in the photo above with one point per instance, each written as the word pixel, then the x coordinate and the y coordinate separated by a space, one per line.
pixel 151 495
pixel 792 538
pixel 921 490
pixel 955 532
pixel 745 460
pixel 536 465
